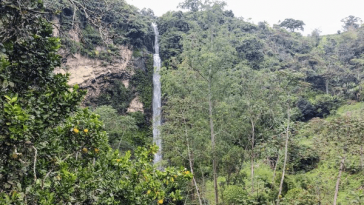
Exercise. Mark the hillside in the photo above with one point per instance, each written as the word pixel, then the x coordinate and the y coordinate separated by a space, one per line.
pixel 236 91
pixel 252 113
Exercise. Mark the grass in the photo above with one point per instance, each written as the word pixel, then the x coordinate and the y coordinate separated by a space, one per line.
pixel 354 110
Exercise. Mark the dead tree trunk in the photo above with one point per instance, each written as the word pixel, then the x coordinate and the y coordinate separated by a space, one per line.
pixel 338 179
pixel 285 154
pixel 275 169
pixel 252 155
pixel 361 158
pixel 190 159
pixel 213 145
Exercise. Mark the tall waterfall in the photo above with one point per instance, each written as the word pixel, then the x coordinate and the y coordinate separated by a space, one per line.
pixel 157 97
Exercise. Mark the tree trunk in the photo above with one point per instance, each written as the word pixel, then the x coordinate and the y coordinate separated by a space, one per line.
pixel 285 154
pixel 252 155
pixel 190 159
pixel 338 179
pixel 275 169
pixel 327 86
pixel 121 138
pixel 213 145
pixel 361 157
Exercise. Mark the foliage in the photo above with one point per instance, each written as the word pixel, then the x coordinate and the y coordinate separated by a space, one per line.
pixel 351 22
pixel 251 50
pixel 292 24
pixel 107 24
pixel 116 95
pixel 142 80
pixel 33 99
pixel 70 159
pixel 234 93
pixel 53 152
pixel 259 76
pixel 120 128
pixel 321 106
pixel 299 196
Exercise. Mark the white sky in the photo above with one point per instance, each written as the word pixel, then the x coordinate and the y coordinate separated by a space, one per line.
pixel 325 15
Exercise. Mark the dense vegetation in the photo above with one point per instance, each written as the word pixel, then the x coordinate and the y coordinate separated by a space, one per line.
pixel 53 151
pixel 107 24
pixel 252 114
pixel 247 105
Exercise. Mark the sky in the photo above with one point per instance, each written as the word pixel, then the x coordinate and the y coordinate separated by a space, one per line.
pixel 325 15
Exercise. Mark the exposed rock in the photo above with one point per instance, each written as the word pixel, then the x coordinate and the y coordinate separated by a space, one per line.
pixel 126 83
pixel 98 84
pixel 96 75
pixel 56 26
pixel 135 105
pixel 82 69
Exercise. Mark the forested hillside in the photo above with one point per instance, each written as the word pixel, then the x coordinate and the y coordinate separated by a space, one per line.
pixel 252 109
pixel 252 113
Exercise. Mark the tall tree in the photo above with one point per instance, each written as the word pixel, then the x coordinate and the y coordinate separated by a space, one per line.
pixel 36 99
pixel 207 54
pixel 288 81
pixel 292 24
pixel 258 103
pixel 192 5
pixel 351 22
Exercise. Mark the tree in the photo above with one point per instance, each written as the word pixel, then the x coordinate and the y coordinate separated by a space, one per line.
pixel 32 98
pixel 351 22
pixel 181 116
pixel 206 56
pixel 120 128
pixel 51 151
pixel 292 24
pixel 251 50
pixel 287 82
pixel 257 101
pixel 192 5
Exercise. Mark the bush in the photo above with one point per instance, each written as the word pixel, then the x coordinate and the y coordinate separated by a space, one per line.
pixel 299 196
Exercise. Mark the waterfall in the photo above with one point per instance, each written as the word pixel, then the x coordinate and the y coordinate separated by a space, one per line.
pixel 156 97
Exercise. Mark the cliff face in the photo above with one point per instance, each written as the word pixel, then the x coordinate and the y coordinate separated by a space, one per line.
pixel 96 78
pixel 97 75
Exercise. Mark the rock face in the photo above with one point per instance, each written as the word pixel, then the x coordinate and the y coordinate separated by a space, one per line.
pixel 135 105
pixel 82 69
pixel 89 74
pixel 96 75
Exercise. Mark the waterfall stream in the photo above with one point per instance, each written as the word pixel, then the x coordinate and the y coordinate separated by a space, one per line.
pixel 156 97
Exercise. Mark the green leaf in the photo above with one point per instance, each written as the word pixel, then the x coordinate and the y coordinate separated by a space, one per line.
pixel 14 99
pixel 5 84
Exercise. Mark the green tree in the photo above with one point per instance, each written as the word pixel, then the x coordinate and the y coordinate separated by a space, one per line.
pixel 192 5
pixel 287 85
pixel 120 128
pixel 351 22
pixel 181 135
pixel 292 24
pixel 258 102
pixel 35 99
pixel 209 61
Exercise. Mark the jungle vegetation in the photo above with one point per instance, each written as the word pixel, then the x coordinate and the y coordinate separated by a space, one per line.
pixel 253 113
